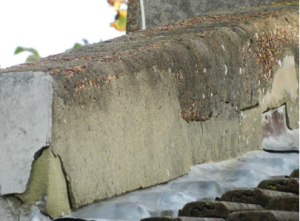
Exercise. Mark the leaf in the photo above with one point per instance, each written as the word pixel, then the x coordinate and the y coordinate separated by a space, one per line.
pixel 32 58
pixel 117 26
pixel 31 50
pixel 19 50
pixel 122 22
pixel 77 45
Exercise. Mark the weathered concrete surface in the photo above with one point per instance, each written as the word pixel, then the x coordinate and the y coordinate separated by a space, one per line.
pixel 203 181
pixel 25 125
pixel 162 12
pixel 141 109
pixel 46 192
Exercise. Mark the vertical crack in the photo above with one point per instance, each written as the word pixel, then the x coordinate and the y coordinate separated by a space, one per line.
pixel 70 197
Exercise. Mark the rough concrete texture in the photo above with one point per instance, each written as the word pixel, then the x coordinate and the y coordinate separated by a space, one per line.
pixel 12 209
pixel 264 215
pixel 285 89
pixel 25 119
pixel 6 212
pixel 47 187
pixel 141 109
pixel 162 12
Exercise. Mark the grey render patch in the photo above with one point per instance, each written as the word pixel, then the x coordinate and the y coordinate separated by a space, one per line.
pixel 25 125
pixel 6 212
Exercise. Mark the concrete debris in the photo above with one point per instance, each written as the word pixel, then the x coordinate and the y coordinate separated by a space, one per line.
pixel 264 215
pixel 253 196
pixel 276 135
pixel 284 184
pixel 215 208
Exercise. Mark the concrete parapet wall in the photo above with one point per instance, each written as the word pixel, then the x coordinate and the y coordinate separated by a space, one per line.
pixel 162 12
pixel 141 109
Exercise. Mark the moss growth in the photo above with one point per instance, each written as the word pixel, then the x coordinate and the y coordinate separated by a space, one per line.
pixel 285 3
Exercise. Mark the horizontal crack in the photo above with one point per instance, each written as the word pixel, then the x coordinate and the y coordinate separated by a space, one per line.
pixel 249 108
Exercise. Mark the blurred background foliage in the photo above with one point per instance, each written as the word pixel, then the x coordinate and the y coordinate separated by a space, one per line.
pixel 119 24
pixel 34 55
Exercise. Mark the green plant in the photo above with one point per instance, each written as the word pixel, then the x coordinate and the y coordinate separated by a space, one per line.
pixel 33 56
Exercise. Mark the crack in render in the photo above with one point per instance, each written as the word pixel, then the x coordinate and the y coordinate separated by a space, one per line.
pixel 39 153
pixel 210 115
pixel 250 107
pixel 256 105
pixel 36 156
pixel 68 185
pixel 273 108
pixel 14 196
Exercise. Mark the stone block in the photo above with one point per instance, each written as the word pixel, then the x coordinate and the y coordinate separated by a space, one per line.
pixel 264 215
pixel 253 196
pixel 290 185
pixel 217 209
pixel 284 203
pixel 295 174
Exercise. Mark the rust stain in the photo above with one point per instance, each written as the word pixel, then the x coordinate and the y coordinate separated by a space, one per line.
pixel 285 3
pixel 191 114
pixel 270 46
pixel 95 83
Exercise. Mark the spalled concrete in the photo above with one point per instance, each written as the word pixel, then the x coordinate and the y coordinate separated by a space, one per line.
pixel 141 109
pixel 47 187
pixel 25 125
pixel 276 135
